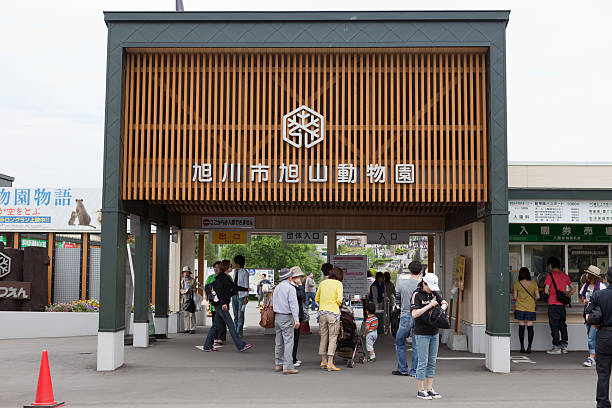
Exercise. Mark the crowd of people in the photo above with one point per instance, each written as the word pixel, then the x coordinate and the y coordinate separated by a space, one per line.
pixel 417 296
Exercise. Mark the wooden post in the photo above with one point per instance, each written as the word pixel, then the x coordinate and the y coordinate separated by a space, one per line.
pixel 84 249
pixel 459 307
pixel 50 245
pixel 431 253
pixel 201 271
pixel 16 240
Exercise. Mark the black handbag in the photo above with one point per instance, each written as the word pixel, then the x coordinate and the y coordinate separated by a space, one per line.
pixel 437 318
pixel 189 306
pixel 561 296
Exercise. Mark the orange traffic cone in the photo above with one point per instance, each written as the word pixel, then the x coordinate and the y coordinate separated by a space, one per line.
pixel 44 390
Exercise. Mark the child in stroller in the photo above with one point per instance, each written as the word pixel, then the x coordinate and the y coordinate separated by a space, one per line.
pixel 351 341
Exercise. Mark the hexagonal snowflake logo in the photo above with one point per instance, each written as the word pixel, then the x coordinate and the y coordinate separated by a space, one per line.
pixel 5 265
pixel 303 127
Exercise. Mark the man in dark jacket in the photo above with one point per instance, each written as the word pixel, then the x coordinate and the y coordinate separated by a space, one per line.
pixel 603 347
pixel 223 290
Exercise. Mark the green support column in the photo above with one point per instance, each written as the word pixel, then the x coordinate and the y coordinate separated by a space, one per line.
pixel 112 267
pixel 162 277
pixel 142 262
pixel 497 275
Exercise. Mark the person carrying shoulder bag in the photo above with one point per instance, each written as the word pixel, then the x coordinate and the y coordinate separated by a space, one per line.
pixel 525 295
pixel 556 284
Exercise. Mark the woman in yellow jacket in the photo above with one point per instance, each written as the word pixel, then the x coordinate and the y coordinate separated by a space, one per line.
pixel 329 297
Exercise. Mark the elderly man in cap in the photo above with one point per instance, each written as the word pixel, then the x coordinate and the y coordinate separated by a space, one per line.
pixel 296 276
pixel 286 320
pixel 187 290
pixel 601 303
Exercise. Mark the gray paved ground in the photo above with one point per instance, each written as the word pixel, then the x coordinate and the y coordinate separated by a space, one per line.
pixel 174 373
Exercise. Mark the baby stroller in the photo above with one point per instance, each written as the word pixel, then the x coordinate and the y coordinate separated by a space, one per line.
pixel 351 345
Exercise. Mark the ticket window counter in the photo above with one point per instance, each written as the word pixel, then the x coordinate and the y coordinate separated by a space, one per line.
pixel 574 260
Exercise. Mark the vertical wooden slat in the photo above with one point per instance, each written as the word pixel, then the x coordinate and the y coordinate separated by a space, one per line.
pixel 478 157
pixel 342 134
pixel 429 102
pixel 209 122
pixel 408 107
pixel 276 122
pixel 215 123
pixel 368 132
pixel 362 134
pixel 186 174
pixel 267 105
pixel 180 142
pixel 336 118
pixel 447 179
pixel 471 134
pixel 435 95
pixel 465 130
pixel 226 121
pixel 159 105
pixel 326 92
pixel 137 122
pixel 147 178
pixel 385 133
pixel 171 162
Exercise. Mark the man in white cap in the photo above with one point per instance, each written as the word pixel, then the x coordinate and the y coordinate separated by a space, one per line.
pixel 187 290
pixel 286 319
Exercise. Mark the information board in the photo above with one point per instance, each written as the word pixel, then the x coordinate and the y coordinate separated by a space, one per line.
pixel 355 269
pixel 560 211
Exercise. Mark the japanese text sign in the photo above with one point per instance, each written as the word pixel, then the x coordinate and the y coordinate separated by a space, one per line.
pixel 229 237
pixel 304 237
pixel 228 222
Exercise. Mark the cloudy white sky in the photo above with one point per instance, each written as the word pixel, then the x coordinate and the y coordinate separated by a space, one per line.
pixel 52 70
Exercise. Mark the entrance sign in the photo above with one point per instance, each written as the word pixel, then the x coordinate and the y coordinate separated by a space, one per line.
pixel 560 211
pixel 229 237
pixel 5 265
pixel 315 125
pixel 303 127
pixel 388 237
pixel 15 290
pixel 560 233
pixel 50 209
pixel 228 222
pixel 355 268
pixel 304 237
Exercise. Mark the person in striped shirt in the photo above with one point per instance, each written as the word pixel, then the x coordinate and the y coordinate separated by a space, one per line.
pixel 371 330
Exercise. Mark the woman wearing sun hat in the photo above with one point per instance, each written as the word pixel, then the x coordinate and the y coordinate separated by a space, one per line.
pixel 593 284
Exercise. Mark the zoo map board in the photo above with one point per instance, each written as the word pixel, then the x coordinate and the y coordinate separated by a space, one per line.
pixel 50 209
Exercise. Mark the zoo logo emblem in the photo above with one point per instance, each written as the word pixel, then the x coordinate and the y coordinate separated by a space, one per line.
pixel 5 265
pixel 303 127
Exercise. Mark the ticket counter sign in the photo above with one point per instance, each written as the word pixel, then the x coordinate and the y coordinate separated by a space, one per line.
pixel 229 237
pixel 560 233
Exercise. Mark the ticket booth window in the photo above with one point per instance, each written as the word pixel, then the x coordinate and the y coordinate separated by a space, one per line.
pixel 536 257
pixel 579 259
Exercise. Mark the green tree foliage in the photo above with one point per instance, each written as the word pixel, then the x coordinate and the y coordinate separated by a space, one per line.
pixel 417 255
pixel 268 251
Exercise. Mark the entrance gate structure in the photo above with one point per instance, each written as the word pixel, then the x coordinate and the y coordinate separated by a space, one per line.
pixel 333 121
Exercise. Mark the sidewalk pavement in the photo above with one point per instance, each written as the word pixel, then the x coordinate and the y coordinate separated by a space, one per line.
pixel 174 373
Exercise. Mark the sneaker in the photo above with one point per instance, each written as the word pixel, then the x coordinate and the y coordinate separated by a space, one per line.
pixel 191 331
pixel 424 395
pixel 297 363
pixel 246 347
pixel 554 350
pixel 397 372
pixel 290 372
pixel 433 394
pixel 207 350
pixel 373 359
pixel 589 362
pixel 564 349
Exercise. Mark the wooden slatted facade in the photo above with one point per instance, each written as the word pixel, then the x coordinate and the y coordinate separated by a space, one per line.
pixel 426 107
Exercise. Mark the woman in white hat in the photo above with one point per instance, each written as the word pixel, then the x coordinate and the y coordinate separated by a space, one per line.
pixel 187 290
pixel 593 284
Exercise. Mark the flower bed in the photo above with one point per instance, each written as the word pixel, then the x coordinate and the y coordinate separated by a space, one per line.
pixel 79 306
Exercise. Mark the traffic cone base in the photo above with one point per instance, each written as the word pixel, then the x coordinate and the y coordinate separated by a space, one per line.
pixel 57 404
pixel 44 389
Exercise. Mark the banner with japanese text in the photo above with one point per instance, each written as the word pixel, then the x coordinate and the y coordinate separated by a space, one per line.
pixel 50 209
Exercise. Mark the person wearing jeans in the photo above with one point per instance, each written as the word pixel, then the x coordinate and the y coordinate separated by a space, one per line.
pixel 592 285
pixel 426 336
pixel 223 290
pixel 406 285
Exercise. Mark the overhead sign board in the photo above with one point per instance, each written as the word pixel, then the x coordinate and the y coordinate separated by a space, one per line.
pixel 560 211
pixel 355 268
pixel 228 222
pixel 304 237
pixel 50 209
pixel 229 237
pixel 560 233
pixel 388 237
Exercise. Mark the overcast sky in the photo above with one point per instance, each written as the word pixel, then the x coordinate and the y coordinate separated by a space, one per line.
pixel 53 59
